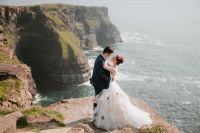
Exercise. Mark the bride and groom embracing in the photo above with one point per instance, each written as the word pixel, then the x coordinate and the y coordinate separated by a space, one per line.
pixel 112 108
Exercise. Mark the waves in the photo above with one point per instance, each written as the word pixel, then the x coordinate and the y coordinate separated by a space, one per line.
pixel 87 83
pixel 140 39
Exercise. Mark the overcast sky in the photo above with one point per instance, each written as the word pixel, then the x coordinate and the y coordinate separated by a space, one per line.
pixel 85 2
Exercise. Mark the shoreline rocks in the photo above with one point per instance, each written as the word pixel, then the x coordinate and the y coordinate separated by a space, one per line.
pixel 8 122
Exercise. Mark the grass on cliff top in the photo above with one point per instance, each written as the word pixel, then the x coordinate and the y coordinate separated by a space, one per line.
pixel 54 16
pixel 68 40
pixel 39 112
pixel 7 85
pixel 154 129
pixel 5 112
pixel 9 36
pixel 5 58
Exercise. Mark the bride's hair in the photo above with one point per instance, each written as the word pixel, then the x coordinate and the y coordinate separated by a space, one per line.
pixel 119 59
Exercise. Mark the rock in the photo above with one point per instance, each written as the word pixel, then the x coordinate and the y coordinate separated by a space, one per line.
pixel 42 123
pixel 79 112
pixel 56 130
pixel 8 122
pixel 77 109
pixel 1 37
pixel 1 28
pixel 15 115
pixel 22 96
pixel 92 25
pixel 87 128
pixel 64 130
pixel 5 41
pixel 1 43
pixel 125 130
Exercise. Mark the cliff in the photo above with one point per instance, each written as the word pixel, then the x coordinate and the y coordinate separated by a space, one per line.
pixel 51 39
pixel 17 88
pixel 77 119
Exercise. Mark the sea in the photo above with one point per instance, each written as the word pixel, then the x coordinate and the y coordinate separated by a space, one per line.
pixel 161 47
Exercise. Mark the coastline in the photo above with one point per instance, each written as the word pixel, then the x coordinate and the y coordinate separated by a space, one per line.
pixel 79 110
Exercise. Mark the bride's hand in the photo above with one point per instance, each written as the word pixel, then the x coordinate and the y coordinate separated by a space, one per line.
pixel 113 78
pixel 112 70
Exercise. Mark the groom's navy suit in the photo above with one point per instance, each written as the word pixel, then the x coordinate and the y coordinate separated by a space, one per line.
pixel 101 77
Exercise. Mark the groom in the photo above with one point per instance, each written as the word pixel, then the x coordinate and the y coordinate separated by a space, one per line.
pixel 101 77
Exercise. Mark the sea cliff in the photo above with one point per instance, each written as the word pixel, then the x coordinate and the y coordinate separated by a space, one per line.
pixel 41 48
pixel 17 87
pixel 51 38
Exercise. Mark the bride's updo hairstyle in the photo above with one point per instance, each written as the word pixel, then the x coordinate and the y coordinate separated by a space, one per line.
pixel 119 59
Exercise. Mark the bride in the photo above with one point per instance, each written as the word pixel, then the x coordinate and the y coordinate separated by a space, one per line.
pixel 115 110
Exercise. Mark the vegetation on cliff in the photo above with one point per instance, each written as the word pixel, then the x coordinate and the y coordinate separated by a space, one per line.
pixel 68 42
pixel 37 113
pixel 54 51
pixel 50 38
pixel 9 85
pixel 6 59
pixel 16 83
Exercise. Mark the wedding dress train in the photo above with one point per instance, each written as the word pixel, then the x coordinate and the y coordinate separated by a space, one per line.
pixel 114 110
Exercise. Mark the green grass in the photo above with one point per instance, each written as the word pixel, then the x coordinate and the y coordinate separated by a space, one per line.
pixel 36 130
pixel 10 38
pixel 154 129
pixel 5 112
pixel 54 16
pixel 39 111
pixel 7 85
pixel 5 58
pixel 68 39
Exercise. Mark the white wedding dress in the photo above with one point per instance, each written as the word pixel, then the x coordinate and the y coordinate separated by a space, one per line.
pixel 114 110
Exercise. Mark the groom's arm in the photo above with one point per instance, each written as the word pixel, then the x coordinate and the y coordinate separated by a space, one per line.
pixel 100 73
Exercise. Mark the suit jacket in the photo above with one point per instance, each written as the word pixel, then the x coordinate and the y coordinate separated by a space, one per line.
pixel 101 77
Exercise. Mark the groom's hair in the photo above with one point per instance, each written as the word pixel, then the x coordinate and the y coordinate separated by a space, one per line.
pixel 108 50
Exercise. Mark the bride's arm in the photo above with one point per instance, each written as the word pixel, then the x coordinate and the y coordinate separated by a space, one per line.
pixel 107 66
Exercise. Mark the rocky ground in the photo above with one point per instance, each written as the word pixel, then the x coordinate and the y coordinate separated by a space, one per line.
pixel 77 119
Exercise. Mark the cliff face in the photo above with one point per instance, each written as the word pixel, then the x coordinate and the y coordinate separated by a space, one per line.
pixel 91 25
pixel 17 88
pixel 52 51
pixel 51 39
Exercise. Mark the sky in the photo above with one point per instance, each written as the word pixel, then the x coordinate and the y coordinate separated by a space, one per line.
pixel 85 2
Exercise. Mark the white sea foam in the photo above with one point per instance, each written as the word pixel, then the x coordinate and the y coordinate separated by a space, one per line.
pixel 98 48
pixel 127 77
pixel 91 62
pixel 37 98
pixel 140 39
pixel 87 83
pixel 186 102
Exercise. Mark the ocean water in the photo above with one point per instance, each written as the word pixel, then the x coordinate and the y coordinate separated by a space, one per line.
pixel 162 57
